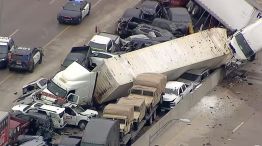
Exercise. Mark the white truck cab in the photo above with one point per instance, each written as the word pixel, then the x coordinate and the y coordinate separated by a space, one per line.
pixel 75 84
pixel 246 42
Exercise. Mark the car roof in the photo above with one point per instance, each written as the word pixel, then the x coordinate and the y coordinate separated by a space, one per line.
pixel 48 107
pixel 100 39
pixel 3 114
pixel 149 4
pixel 180 15
pixel 197 71
pixel 174 84
pixel 22 51
pixel 132 12
pixel 5 39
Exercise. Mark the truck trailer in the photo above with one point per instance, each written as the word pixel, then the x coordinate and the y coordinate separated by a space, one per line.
pixel 233 14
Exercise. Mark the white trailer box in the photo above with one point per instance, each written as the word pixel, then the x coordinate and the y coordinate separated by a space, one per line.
pixel 204 49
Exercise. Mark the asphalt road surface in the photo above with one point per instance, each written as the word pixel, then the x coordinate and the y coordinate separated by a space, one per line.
pixel 32 23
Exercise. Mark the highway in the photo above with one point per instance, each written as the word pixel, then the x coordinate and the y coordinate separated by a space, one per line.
pixel 32 23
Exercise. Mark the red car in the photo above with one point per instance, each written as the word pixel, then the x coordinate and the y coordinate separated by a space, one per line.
pixel 174 3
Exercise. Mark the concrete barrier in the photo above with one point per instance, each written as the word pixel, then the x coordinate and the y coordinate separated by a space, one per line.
pixel 188 102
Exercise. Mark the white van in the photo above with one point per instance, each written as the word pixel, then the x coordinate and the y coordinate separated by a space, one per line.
pixel 55 113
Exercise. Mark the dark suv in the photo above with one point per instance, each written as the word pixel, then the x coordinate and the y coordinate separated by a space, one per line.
pixel 25 58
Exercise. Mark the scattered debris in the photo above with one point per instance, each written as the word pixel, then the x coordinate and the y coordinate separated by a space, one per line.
pixel 250 83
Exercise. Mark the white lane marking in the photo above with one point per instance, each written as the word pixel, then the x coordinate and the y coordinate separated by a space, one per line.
pixel 14 33
pixel 238 126
pixel 56 37
pixel 51 2
pixel 6 78
pixel 97 2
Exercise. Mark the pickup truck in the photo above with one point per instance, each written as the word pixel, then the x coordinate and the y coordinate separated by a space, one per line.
pixel 105 42
pixel 77 116
pixel 79 54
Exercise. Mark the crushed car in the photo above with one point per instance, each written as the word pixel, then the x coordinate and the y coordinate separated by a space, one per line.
pixel 136 42
pixel 153 32
pixel 77 116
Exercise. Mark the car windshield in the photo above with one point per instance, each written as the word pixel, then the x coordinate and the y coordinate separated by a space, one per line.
pixel 55 89
pixel 72 6
pixel 78 109
pixel 97 47
pixel 171 91
pixel 3 49
pixel 190 77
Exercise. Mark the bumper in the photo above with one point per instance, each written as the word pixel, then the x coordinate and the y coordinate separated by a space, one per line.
pixel 3 63
pixel 68 21
pixel 18 67
pixel 168 105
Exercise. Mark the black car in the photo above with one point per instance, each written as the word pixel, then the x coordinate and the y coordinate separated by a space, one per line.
pixel 136 42
pixel 181 17
pixel 25 58
pixel 154 33
pixel 177 29
pixel 6 44
pixel 151 10
pixel 129 20
pixel 74 12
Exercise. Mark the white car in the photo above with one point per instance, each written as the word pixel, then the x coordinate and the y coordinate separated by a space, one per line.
pixel 34 86
pixel 174 93
pixel 77 116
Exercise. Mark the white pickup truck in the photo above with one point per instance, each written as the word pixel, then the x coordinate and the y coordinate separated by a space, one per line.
pixel 104 42
pixel 77 116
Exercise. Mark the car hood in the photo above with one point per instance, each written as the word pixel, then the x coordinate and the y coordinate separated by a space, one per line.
pixel 2 56
pixel 19 107
pixel 89 113
pixel 169 97
pixel 70 13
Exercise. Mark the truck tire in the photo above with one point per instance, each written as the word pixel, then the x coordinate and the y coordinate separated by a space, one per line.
pixel 252 58
pixel 154 116
pixel 135 126
pixel 82 125
pixel 150 121
pixel 40 59
pixel 31 67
